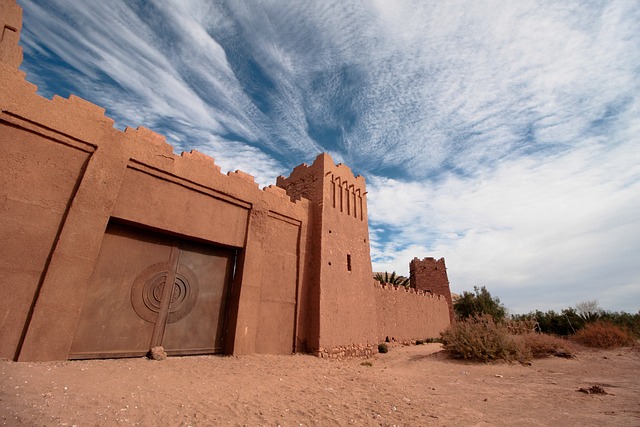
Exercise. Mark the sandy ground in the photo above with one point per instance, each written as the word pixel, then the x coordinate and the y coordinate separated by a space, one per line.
pixel 413 385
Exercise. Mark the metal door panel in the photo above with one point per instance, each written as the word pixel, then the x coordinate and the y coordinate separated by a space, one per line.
pixel 201 330
pixel 123 314
pixel 108 323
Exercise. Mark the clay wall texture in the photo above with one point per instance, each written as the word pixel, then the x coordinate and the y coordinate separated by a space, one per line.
pixel 93 220
pixel 430 275
pixel 405 314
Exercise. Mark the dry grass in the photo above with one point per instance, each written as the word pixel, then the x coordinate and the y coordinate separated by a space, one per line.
pixel 602 334
pixel 521 327
pixel 543 345
pixel 482 339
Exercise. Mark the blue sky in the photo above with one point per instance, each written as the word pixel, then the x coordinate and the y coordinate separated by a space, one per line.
pixel 503 136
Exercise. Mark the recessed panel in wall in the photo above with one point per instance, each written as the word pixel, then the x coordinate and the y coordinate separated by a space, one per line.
pixel 38 177
pixel 164 203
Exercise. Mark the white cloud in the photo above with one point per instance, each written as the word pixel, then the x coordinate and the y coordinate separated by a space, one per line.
pixel 232 156
pixel 564 226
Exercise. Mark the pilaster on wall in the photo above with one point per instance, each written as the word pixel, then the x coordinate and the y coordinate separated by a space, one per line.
pixel 430 275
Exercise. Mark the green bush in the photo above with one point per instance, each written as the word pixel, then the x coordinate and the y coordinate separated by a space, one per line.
pixel 479 303
pixel 480 338
pixel 564 323
pixel 382 348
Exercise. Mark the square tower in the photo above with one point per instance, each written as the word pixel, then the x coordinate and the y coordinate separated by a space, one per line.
pixel 341 265
pixel 431 276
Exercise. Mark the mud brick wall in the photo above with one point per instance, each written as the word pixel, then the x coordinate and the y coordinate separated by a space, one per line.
pixel 346 301
pixel 73 188
pixel 430 275
pixel 406 314
pixel 66 174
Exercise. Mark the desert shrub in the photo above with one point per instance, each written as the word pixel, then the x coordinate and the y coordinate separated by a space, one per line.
pixel 521 326
pixel 626 321
pixel 382 348
pixel 479 303
pixel 603 334
pixel 544 345
pixel 419 342
pixel 433 340
pixel 480 338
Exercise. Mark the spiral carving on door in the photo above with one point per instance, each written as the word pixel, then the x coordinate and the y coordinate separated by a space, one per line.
pixel 147 290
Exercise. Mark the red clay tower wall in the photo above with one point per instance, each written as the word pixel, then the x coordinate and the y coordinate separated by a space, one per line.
pixel 341 246
pixel 431 276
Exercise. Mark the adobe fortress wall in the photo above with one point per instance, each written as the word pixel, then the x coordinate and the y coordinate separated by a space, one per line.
pixel 85 208
pixel 429 274
pixel 406 314
pixel 66 175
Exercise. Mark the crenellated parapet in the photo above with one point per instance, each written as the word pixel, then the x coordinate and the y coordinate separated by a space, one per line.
pixel 324 182
pixel 409 290
pixel 195 156
pixel 146 138
pixel 304 181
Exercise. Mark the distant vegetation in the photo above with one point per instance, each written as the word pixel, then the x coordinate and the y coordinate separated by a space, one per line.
pixel 570 321
pixel 484 332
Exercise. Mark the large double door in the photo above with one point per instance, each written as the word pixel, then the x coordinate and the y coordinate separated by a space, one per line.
pixel 147 290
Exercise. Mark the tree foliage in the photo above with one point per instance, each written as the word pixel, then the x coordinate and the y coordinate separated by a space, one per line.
pixel 565 323
pixel 479 303
pixel 391 279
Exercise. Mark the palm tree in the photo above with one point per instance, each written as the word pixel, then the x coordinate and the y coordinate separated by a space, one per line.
pixel 391 279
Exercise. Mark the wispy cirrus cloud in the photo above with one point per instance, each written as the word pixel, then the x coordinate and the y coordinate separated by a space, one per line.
pixel 422 87
pixel 504 130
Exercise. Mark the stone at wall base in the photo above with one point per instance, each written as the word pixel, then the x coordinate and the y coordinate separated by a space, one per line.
pixel 348 351
pixel 157 353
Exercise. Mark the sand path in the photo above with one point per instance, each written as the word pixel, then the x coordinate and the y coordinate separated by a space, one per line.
pixel 412 385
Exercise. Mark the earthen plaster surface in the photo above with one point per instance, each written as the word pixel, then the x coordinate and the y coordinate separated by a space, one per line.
pixel 300 278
